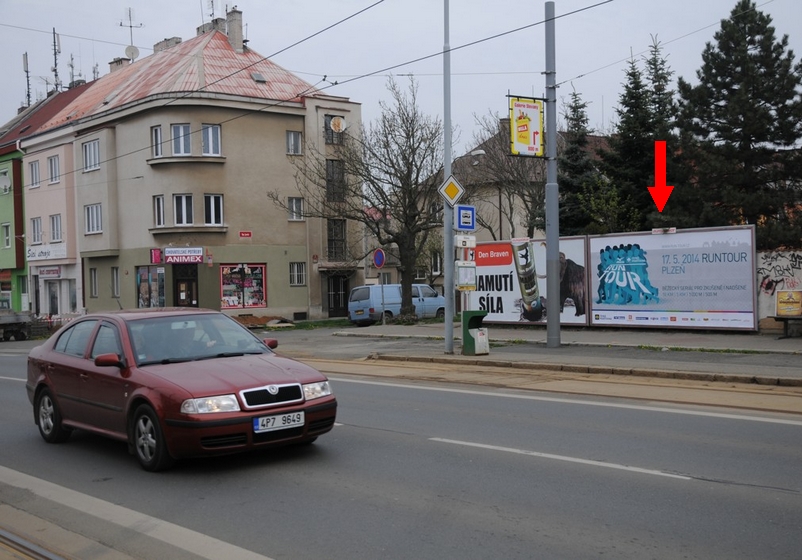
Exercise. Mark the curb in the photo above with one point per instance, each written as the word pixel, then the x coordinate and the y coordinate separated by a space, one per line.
pixel 602 370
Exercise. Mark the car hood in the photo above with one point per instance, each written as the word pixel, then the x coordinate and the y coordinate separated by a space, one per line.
pixel 232 374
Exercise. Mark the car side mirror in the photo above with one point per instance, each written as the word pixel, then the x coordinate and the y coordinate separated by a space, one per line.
pixel 272 343
pixel 108 360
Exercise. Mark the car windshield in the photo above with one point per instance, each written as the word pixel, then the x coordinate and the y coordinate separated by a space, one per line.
pixel 184 338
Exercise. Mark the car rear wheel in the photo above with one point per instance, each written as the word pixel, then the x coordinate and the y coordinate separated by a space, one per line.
pixel 149 444
pixel 48 418
pixel 441 313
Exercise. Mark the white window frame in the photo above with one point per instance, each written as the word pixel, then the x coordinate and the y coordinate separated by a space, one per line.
pixel 55 228
pixel 5 231
pixel 36 231
pixel 54 169
pixel 181 139
pixel 33 171
pixel 93 282
pixel 437 263
pixel 182 210
pixel 213 209
pixel 158 210
pixel 93 219
pixel 294 143
pixel 295 208
pixel 156 141
pixel 297 274
pixel 91 151
pixel 211 140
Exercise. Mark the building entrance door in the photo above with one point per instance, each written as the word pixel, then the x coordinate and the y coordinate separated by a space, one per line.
pixel 185 284
pixel 338 296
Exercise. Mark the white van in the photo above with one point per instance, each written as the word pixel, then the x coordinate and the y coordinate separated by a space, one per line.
pixel 367 303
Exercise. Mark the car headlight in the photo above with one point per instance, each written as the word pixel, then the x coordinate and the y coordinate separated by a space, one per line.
pixel 221 403
pixel 316 390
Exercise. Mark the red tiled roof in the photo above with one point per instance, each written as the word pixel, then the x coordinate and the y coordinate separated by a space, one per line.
pixel 205 63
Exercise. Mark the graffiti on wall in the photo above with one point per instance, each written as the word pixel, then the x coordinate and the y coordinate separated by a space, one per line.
pixel 779 271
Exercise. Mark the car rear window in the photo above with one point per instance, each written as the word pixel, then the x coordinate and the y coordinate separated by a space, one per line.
pixel 360 294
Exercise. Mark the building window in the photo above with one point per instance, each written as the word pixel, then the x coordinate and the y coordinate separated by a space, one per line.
pixel 385 278
pixel 34 172
pixel 150 286
pixel 5 231
pixel 336 240
pixel 115 281
pixel 182 204
pixel 92 282
pixel 91 155
pixel 295 206
pixel 211 139
pixel 93 217
pixel 158 210
pixel 335 181
pixel 333 126
pixel 242 285
pixel 213 209
pixel 420 273
pixel 53 169
pixel 294 143
pixel 156 141
pixel 55 228
pixel 437 263
pixel 297 274
pixel 181 146
pixel 36 230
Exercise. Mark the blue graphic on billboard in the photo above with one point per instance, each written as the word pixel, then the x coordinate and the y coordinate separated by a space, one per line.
pixel 623 276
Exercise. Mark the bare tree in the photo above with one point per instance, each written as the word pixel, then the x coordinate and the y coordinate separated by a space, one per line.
pixel 513 186
pixel 384 177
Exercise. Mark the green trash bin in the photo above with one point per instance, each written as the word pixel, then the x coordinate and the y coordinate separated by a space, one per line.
pixel 474 335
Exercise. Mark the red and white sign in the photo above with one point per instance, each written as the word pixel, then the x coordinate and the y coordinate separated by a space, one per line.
pixel 246 234
pixel 49 272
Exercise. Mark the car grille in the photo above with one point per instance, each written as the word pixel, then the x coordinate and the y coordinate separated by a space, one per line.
pixel 224 441
pixel 276 435
pixel 255 398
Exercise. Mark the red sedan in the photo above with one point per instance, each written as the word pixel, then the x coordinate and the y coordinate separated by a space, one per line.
pixel 174 383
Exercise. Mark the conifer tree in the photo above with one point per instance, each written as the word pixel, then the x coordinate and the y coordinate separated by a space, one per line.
pixel 576 169
pixel 742 124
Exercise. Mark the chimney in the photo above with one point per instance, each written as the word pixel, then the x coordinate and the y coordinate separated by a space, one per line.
pixel 234 24
pixel 165 44
pixel 118 64
pixel 217 24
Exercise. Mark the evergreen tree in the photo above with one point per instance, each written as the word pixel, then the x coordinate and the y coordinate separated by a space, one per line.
pixel 576 169
pixel 742 123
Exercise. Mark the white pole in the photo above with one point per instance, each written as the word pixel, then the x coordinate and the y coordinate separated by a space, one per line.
pixel 448 210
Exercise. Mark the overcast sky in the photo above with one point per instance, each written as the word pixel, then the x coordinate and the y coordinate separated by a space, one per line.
pixel 593 43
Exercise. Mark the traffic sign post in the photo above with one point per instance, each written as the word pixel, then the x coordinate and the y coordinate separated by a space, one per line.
pixel 379 258
pixel 465 217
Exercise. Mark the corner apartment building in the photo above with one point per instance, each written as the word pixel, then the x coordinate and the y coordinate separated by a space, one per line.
pixel 165 164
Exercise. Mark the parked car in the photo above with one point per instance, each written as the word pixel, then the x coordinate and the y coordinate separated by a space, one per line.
pixel 366 304
pixel 174 383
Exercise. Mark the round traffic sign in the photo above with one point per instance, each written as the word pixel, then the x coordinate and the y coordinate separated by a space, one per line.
pixel 379 258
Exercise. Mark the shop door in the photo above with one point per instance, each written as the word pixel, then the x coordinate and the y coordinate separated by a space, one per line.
pixel 338 296
pixel 52 295
pixel 185 285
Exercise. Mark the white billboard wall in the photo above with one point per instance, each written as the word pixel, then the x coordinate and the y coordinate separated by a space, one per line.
pixel 511 281
pixel 696 278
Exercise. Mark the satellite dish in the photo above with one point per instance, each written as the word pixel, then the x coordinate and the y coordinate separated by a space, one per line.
pixel 131 52
pixel 337 124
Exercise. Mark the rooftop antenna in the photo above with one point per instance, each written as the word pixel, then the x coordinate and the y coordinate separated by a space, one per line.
pixel 56 52
pixel 27 78
pixel 131 51
pixel 95 72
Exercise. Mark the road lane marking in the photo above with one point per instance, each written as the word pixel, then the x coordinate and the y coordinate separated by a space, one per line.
pixel 582 402
pixel 11 378
pixel 561 458
pixel 175 535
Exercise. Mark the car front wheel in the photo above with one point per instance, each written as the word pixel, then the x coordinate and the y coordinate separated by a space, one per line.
pixel 48 418
pixel 151 449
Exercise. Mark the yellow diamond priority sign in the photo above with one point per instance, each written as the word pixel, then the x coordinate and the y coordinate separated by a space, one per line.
pixel 451 191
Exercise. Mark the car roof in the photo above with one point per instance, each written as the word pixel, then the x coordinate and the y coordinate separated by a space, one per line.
pixel 150 312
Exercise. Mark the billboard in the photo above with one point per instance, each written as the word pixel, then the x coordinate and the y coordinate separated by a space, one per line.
pixel 511 281
pixel 696 278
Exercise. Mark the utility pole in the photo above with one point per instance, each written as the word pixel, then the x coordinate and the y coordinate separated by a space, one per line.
pixel 552 190
pixel 448 210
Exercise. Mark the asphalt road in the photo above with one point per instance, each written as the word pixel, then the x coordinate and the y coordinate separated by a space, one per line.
pixel 430 471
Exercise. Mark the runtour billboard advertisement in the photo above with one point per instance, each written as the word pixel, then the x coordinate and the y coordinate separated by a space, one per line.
pixel 694 278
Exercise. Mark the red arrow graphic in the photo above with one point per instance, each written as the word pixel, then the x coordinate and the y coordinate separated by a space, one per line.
pixel 660 191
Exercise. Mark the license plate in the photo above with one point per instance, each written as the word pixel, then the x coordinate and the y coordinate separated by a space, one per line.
pixel 278 422
pixel 358 312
